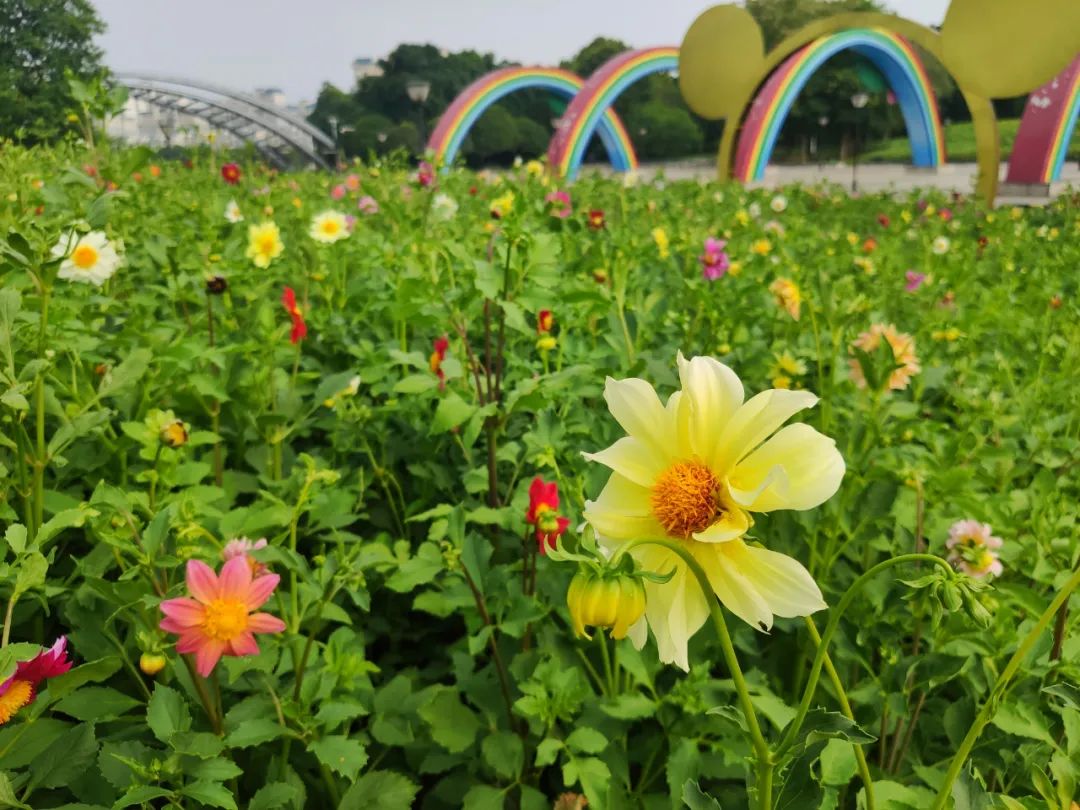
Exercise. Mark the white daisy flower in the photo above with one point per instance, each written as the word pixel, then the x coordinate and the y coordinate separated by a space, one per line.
pixel 90 258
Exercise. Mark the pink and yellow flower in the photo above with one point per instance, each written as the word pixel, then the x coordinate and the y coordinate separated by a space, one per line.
pixel 21 688
pixel 559 204
pixel 218 618
pixel 973 549
pixel 714 261
pixel 903 348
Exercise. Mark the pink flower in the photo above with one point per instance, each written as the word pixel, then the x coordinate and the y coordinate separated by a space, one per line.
pixel 21 688
pixel 914 280
pixel 972 548
pixel 218 620
pixel 367 205
pixel 352 182
pixel 559 204
pixel 242 547
pixel 337 192
pixel 946 214
pixel 350 221
pixel 714 261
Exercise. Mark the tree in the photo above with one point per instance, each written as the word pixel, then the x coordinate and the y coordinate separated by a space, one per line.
pixel 494 138
pixel 39 41
pixel 661 132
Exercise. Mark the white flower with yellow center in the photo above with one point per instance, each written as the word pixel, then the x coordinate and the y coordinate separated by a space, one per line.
pixel 329 227
pixel 444 207
pixel 693 471
pixel 233 213
pixel 90 258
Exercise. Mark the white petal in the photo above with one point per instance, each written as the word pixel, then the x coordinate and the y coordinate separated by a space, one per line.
pixel 781 581
pixel 632 459
pixel 798 468
pixel 636 407
pixel 623 511
pixel 755 421
pixel 734 590
pixel 639 633
pixel 712 393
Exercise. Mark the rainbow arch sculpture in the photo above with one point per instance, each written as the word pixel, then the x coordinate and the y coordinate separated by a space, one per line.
pixel 589 107
pixel 1049 119
pixel 454 124
pixel 890 53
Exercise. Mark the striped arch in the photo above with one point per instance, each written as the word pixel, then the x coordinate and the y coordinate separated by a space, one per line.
pixel 890 53
pixel 454 124
pixel 1046 129
pixel 593 103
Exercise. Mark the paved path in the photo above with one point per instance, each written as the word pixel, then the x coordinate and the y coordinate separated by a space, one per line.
pixel 871 177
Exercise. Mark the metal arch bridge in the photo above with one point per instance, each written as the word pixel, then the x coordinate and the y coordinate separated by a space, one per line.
pixel 274 132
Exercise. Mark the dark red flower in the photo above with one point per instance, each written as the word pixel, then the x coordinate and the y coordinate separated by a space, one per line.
pixel 543 513
pixel 544 321
pixel 596 219
pixel 299 327
pixel 425 175
pixel 883 220
pixel 21 688
pixel 230 173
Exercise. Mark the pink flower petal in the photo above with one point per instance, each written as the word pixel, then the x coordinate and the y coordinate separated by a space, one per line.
pixel 265 623
pixel 235 579
pixel 190 641
pixel 183 611
pixel 202 582
pixel 243 644
pixel 207 656
pixel 260 590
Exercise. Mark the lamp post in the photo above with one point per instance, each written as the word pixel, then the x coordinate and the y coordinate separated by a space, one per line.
pixel 823 122
pixel 858 101
pixel 418 90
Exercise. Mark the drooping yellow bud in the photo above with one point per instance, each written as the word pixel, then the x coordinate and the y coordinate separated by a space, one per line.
pixel 615 602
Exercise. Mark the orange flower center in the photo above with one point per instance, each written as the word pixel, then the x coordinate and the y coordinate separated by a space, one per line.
pixel 267 244
pixel 225 619
pixel 84 257
pixel 18 695
pixel 330 227
pixel 686 498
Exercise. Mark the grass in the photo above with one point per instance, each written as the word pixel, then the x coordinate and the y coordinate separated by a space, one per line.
pixel 960 144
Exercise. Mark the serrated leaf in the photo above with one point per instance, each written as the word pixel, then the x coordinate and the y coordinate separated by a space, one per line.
pixel 505 753
pixel 167 713
pixel 254 732
pixel 340 754
pixel 212 794
pixel 273 795
pixel 696 799
pixel 67 757
pixel 380 790
pixel 586 740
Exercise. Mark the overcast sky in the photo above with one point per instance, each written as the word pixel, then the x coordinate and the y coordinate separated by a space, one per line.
pixel 298 44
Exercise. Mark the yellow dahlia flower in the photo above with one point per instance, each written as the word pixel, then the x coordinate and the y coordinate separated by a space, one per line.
pixel 694 470
pixel 264 244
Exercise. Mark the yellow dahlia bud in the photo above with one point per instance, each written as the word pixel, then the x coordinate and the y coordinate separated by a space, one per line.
pixel 152 663
pixel 616 602
pixel 174 434
pixel 545 343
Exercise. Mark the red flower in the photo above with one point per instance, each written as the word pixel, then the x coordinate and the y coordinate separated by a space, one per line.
pixel 299 327
pixel 596 219
pixel 21 688
pixel 544 321
pixel 870 245
pixel 441 345
pixel 883 220
pixel 946 214
pixel 543 513
pixel 230 173
pixel 425 175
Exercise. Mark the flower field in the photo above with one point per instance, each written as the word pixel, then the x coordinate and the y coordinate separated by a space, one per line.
pixel 399 488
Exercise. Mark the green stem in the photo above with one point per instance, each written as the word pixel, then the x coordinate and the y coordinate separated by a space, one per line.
pixel 845 707
pixel 7 620
pixel 765 759
pixel 830 628
pixel 986 713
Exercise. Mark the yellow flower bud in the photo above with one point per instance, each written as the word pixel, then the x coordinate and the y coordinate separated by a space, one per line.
pixel 546 343
pixel 615 602
pixel 152 663
pixel 174 434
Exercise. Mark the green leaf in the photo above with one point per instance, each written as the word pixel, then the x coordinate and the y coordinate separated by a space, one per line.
pixel 453 724
pixel 15 537
pixel 594 776
pixel 586 740
pixel 1023 720
pixel 505 753
pixel 418 570
pixel 820 724
pixel 141 794
pixel 129 372
pixel 340 754
pixel 69 518
pixel 67 757
pixel 416 383
pixel 380 790
pixel 484 797
pixel 1066 693
pixel 120 762
pixel 211 794
pixel 7 794
pixel 254 732
pixel 696 799
pixel 273 795
pixel 93 672
pixel 452 411
pixel 167 713
pixel 96 703
pixel 32 570
pixel 547 751
pixel 215 770
pixel 838 763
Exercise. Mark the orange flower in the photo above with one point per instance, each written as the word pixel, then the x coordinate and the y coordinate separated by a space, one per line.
pixel 437 357
pixel 903 348
pixel 544 321
pixel 218 620
pixel 788 296
pixel 870 245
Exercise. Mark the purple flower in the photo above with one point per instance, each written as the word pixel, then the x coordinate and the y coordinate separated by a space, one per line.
pixel 714 261
pixel 914 280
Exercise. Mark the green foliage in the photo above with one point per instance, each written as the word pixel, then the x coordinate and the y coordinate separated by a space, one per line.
pixel 428 658
pixel 41 43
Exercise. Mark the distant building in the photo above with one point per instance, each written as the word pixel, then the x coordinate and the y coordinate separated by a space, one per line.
pixel 364 67
pixel 271 95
